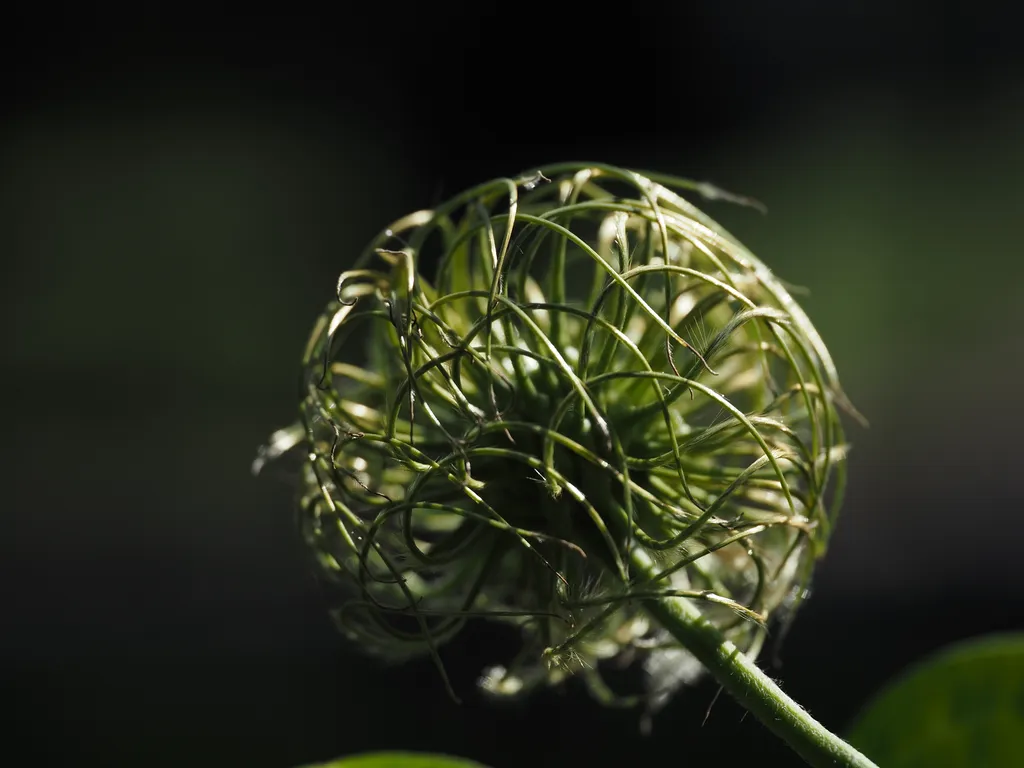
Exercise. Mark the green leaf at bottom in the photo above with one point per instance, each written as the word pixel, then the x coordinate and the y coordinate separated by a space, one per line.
pixel 962 707
pixel 398 760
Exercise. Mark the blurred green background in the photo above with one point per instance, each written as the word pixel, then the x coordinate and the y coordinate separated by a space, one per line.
pixel 178 196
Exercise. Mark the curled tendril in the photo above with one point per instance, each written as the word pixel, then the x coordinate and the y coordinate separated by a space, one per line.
pixel 514 389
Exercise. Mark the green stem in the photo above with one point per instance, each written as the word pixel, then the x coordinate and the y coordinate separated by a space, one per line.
pixel 746 682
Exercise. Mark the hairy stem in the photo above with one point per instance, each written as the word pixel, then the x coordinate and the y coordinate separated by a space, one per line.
pixel 746 682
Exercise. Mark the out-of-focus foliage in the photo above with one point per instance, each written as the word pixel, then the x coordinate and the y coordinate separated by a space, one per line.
pixel 398 760
pixel 962 707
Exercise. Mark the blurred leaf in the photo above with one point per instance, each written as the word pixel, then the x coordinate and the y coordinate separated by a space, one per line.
pixel 962 707
pixel 398 760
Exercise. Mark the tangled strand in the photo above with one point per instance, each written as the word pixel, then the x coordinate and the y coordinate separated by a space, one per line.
pixel 594 366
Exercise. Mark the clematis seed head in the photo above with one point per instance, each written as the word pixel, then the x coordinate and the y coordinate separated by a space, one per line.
pixel 511 392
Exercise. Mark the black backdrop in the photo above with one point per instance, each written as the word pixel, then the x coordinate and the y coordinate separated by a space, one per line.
pixel 179 190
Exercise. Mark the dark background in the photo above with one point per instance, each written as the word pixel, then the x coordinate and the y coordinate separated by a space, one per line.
pixel 178 192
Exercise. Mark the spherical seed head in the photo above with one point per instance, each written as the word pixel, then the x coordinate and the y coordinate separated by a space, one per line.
pixel 514 392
